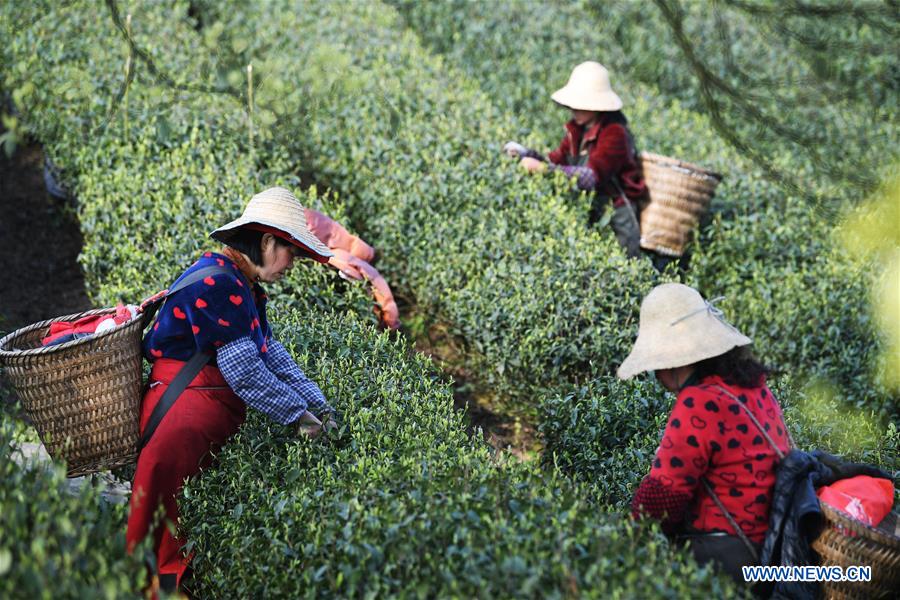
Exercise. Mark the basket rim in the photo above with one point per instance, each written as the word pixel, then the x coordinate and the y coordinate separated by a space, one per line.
pixel 7 339
pixel 872 533
pixel 668 161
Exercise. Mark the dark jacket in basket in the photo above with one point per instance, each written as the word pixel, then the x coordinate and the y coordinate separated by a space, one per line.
pixel 796 519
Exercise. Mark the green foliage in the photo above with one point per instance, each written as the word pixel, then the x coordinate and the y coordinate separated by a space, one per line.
pixel 183 169
pixel 596 437
pixel 56 544
pixel 818 88
pixel 772 255
pixel 400 502
pixel 503 261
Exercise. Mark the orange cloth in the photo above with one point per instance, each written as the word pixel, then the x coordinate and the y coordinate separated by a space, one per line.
pixel 335 236
pixel 352 257
pixel 354 268
pixel 242 263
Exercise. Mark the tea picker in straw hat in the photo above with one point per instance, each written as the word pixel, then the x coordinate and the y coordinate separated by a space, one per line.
pixel 597 149
pixel 712 477
pixel 213 355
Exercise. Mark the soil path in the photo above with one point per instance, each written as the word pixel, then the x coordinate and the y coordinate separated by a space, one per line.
pixel 39 242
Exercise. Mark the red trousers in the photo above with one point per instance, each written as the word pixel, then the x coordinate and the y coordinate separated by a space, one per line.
pixel 206 414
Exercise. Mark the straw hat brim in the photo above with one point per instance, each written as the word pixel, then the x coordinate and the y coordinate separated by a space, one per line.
pixel 687 343
pixel 304 239
pixel 579 100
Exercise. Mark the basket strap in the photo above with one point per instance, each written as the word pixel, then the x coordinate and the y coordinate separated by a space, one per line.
pixel 753 418
pixel 715 497
pixel 185 375
pixel 737 528
pixel 190 369
pixel 191 279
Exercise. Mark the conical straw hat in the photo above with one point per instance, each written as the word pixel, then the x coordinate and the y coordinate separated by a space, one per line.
pixel 588 89
pixel 678 328
pixel 278 210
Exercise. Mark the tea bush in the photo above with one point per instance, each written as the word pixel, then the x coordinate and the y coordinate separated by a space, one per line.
pixel 183 167
pixel 402 460
pixel 596 438
pixel 537 45
pixel 504 262
pixel 527 338
pixel 825 89
pixel 400 502
pixel 54 544
pixel 788 284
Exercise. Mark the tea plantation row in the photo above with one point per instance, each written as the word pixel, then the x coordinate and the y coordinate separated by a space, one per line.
pixel 540 305
pixel 400 501
pixel 503 266
pixel 788 282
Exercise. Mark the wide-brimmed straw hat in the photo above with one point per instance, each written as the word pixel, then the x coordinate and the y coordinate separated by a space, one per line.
pixel 278 212
pixel 588 89
pixel 678 328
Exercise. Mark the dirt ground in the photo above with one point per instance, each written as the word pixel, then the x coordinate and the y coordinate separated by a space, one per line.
pixel 39 242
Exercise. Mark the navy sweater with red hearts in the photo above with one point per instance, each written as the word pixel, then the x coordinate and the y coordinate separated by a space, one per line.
pixel 709 435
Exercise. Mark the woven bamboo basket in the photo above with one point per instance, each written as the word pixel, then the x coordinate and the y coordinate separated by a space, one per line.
pixel 83 396
pixel 680 194
pixel 847 542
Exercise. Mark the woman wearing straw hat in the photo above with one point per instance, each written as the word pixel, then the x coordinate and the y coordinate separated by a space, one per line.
pixel 712 478
pixel 597 149
pixel 214 354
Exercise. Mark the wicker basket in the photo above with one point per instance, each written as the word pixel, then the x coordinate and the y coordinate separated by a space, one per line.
pixel 679 195
pixel 847 542
pixel 83 396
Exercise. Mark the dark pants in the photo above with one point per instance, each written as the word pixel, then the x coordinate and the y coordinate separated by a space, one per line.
pixel 728 553
pixel 624 223
pixel 661 261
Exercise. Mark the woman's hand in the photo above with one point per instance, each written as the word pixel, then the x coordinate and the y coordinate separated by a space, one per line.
pixel 309 425
pixel 514 149
pixel 330 424
pixel 533 165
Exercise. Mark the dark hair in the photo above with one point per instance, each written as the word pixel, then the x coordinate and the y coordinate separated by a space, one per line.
pixel 615 116
pixel 249 242
pixel 738 367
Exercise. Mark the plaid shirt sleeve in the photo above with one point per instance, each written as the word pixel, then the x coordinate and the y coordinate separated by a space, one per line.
pixel 247 374
pixel 280 362
pixel 529 153
pixel 586 177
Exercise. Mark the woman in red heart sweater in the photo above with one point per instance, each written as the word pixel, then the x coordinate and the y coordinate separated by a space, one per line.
pixel 712 477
